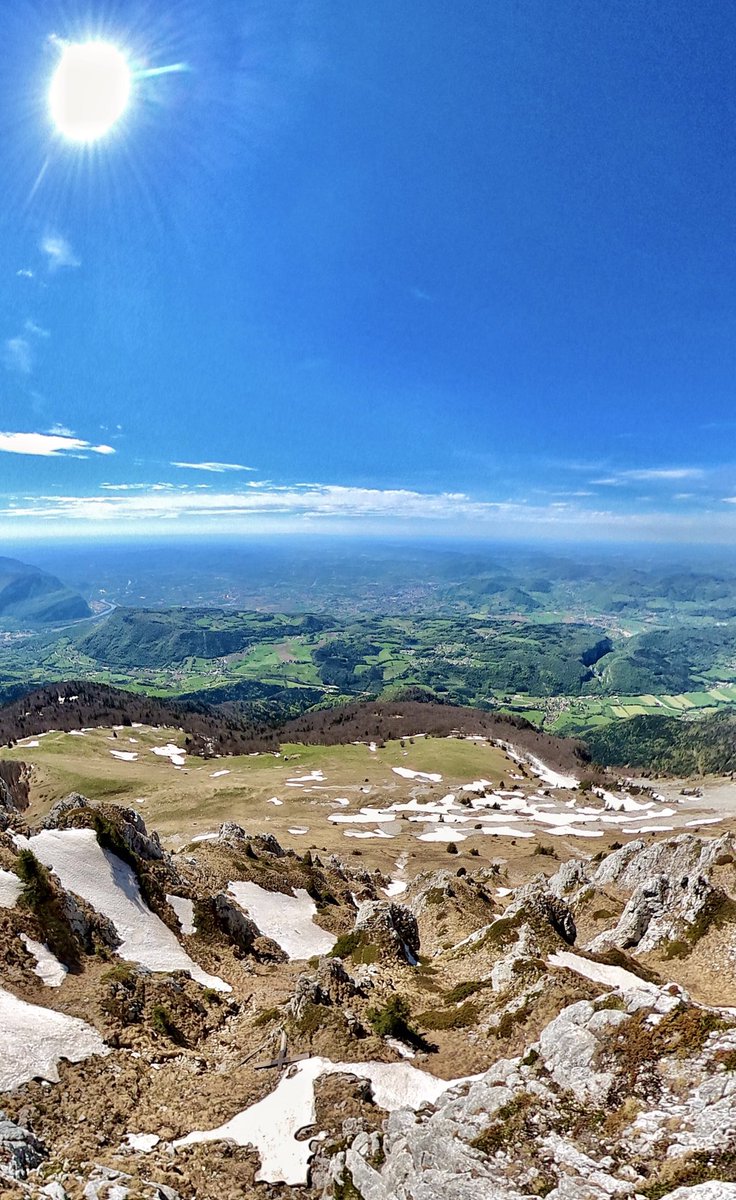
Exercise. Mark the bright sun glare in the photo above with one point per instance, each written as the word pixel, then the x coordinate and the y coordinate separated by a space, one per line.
pixel 90 90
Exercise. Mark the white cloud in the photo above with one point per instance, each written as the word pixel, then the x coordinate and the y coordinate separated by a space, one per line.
pixel 17 355
pixel 665 473
pixel 24 273
pixel 649 475
pixel 140 487
pixel 300 506
pixel 18 350
pixel 59 252
pixel 217 467
pixel 35 330
pixel 48 445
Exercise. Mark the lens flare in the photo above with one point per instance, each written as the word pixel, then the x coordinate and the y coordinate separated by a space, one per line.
pixel 90 90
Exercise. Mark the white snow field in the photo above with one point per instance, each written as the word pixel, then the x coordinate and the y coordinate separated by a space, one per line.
pixel 616 977
pixel 48 968
pixel 110 886
pixel 175 754
pixel 429 776
pixel 287 920
pixel 10 888
pixel 184 910
pixel 35 1038
pixel 271 1124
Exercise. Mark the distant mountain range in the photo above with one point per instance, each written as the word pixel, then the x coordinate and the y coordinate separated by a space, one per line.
pixel 31 597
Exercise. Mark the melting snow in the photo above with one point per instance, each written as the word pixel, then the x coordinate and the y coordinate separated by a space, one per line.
pixel 442 833
pixel 649 829
pixel 405 773
pixel 175 753
pixel 144 1142
pixel 395 888
pixel 274 800
pixel 35 1038
pixel 48 968
pixel 287 920
pixel 125 755
pixel 110 886
pixel 616 977
pixel 10 888
pixel 364 817
pixel 271 1124
pixel 184 910
pixel 368 833
pixel 217 774
pixel 553 778
pixel 400 1047
pixel 506 831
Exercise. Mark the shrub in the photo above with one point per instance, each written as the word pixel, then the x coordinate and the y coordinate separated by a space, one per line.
pixel 392 1020
pixel 163 1023
pixel 40 898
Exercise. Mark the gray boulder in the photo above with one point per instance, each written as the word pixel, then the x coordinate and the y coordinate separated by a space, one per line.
pixel 20 1150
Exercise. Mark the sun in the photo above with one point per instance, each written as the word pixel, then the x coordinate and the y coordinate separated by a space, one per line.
pixel 90 90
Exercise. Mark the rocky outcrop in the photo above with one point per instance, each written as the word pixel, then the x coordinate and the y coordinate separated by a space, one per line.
pixel 90 928
pixel 679 857
pixel 20 1150
pixel 62 807
pixel 391 927
pixel 8 810
pixel 236 924
pixel 230 831
pixel 221 915
pixel 542 907
pixel 673 898
pixel 16 776
pixel 558 1122
pixel 448 906
pixel 329 985
pixel 665 909
pixel 128 824
pixel 570 877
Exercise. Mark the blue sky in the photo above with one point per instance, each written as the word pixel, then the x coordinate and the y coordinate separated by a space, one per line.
pixel 378 266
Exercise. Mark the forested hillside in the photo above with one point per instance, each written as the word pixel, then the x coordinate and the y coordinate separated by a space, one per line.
pixel 29 596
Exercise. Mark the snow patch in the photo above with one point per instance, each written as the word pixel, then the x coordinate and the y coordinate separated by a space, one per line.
pixel 615 977
pixel 48 968
pixel 405 773
pixel 395 888
pixel 184 910
pixel 144 1142
pixel 36 1038
pixel 176 755
pixel 271 1124
pixel 287 920
pixel 110 886
pixel 10 888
